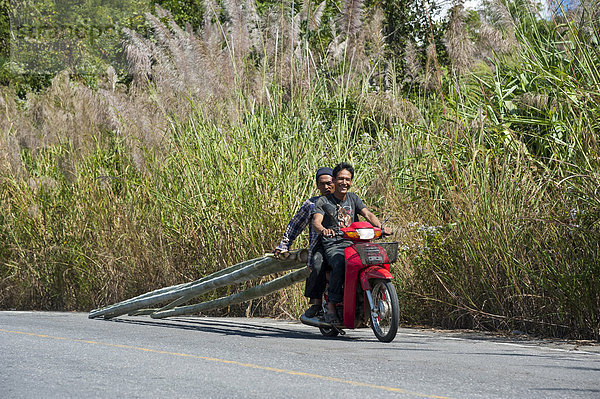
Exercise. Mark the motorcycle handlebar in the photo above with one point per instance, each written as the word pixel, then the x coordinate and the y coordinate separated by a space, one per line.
pixel 341 234
pixel 335 234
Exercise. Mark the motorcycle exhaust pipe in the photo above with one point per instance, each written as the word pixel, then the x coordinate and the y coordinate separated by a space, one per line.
pixel 314 321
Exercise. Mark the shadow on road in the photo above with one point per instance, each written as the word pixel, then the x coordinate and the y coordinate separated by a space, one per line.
pixel 245 329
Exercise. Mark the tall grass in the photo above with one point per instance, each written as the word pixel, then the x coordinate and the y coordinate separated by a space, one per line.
pixel 491 179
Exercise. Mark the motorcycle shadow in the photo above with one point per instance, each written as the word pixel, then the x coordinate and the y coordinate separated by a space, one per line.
pixel 248 328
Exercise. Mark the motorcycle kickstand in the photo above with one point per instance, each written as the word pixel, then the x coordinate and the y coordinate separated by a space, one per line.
pixel 338 330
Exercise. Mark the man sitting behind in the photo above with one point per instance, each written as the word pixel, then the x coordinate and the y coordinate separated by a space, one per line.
pixel 332 213
pixel 316 281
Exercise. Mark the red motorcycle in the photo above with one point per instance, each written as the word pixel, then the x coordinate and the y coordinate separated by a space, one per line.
pixel 369 295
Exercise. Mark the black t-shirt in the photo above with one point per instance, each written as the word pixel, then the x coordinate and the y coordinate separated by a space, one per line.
pixel 338 214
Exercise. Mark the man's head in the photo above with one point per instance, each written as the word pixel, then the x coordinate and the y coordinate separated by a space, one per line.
pixel 343 173
pixel 324 180
pixel 343 166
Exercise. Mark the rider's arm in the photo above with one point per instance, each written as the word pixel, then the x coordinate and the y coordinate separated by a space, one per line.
pixel 317 222
pixel 294 227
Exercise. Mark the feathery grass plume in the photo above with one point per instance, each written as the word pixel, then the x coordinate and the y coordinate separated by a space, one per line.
pixel 210 30
pixel 351 18
pixel 387 110
pixel 458 43
pixel 351 23
pixel 336 49
pixel 10 156
pixel 253 24
pixel 184 67
pixel 141 121
pixel 111 78
pixel 66 112
pixel 430 79
pixel 217 69
pixel 492 41
pixel 314 18
pixel 586 15
pixel 536 101
pixel 374 39
pixel 290 70
pixel 185 60
pixel 389 76
pixel 170 65
pixel 496 34
pixel 8 107
pixel 412 66
pixel 238 41
pixel 497 14
pixel 233 8
pixel 138 53
pixel 305 10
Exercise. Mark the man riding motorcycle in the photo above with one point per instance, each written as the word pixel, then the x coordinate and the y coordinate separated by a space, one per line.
pixel 333 212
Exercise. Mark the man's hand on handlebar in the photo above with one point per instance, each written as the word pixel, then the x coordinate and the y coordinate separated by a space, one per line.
pixel 386 231
pixel 328 233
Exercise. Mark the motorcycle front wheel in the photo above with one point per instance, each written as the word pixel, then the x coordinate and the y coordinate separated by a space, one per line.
pixel 385 322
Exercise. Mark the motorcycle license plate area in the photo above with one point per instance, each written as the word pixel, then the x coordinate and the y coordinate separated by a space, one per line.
pixel 377 254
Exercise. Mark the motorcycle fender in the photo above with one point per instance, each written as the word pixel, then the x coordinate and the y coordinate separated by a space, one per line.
pixel 373 272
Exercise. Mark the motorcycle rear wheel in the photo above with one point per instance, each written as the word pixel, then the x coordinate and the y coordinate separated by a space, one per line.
pixel 385 325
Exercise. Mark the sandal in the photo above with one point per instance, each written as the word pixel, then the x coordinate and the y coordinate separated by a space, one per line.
pixel 313 311
pixel 331 318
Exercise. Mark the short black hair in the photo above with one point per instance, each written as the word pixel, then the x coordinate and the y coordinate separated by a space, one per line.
pixel 341 166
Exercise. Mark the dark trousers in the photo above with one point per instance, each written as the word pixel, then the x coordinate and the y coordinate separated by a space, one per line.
pixel 334 253
pixel 317 280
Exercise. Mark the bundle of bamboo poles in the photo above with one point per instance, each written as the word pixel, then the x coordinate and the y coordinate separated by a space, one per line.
pixel 180 294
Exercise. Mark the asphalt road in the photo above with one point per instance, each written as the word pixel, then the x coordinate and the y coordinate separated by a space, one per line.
pixel 54 355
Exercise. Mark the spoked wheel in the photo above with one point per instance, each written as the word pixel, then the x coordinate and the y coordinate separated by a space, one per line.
pixel 385 322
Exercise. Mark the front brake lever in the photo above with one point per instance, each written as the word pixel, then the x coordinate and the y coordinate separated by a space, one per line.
pixel 385 220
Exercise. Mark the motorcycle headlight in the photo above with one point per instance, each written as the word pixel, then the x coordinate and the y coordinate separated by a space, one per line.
pixel 366 234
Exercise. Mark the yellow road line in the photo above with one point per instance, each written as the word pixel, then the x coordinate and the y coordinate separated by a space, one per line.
pixel 236 363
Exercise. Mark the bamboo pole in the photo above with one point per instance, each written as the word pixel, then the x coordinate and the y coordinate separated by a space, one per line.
pixel 184 299
pixel 159 291
pixel 259 268
pixel 244 296
pixel 141 312
pixel 108 311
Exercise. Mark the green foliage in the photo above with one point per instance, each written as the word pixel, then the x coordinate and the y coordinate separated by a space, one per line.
pixel 185 11
pixel 412 21
pixel 47 37
pixel 4 30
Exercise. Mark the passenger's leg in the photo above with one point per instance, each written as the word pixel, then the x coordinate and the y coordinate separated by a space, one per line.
pixel 312 288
